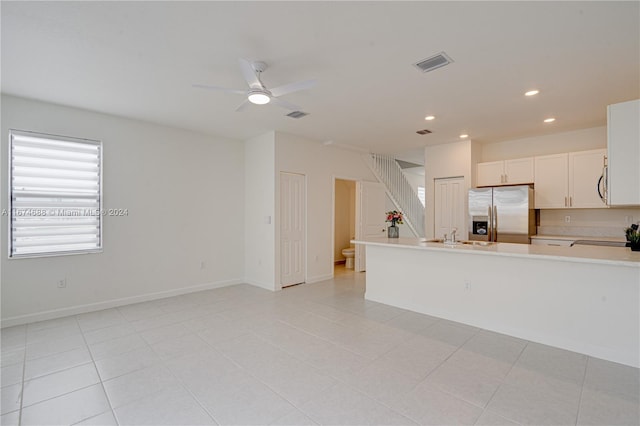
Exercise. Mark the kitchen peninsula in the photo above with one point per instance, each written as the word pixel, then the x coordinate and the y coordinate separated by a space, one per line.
pixel 583 298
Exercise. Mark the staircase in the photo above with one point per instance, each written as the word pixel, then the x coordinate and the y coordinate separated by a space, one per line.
pixel 400 191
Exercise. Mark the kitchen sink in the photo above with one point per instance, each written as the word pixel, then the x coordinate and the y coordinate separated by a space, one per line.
pixel 478 243
pixel 469 243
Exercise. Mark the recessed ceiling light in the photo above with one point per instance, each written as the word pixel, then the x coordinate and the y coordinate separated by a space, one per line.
pixel 532 92
pixel 464 136
pixel 430 117
pixel 549 120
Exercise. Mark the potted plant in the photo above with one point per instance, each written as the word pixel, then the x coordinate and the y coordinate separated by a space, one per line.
pixel 633 237
pixel 395 217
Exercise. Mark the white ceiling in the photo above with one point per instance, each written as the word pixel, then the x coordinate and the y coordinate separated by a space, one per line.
pixel 139 59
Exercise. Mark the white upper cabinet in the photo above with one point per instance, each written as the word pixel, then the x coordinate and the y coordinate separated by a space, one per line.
pixel 490 174
pixel 569 180
pixel 623 146
pixel 507 172
pixel 585 170
pixel 551 186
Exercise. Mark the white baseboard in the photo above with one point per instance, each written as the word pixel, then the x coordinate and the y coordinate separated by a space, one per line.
pixel 318 278
pixel 266 286
pixel 98 306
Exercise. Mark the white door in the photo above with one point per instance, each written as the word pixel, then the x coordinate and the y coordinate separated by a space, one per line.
pixel 449 204
pixel 292 228
pixel 370 217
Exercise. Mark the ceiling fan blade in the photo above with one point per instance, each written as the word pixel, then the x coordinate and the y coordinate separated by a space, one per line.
pixel 222 89
pixel 243 106
pixel 293 87
pixel 249 74
pixel 284 104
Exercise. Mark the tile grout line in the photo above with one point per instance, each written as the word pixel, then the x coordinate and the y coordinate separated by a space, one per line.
pixel 502 381
pixel 584 379
pixel 24 368
pixel 104 390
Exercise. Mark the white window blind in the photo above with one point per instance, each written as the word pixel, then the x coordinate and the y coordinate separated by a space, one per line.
pixel 55 195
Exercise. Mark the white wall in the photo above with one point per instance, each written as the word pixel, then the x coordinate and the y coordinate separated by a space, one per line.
pixel 259 221
pixel 184 192
pixel 578 140
pixel 444 161
pixel 321 164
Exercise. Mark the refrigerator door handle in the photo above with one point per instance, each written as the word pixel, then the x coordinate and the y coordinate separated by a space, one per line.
pixel 495 223
pixel 490 233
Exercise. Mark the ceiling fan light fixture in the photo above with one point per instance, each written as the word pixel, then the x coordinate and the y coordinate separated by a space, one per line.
pixel 259 98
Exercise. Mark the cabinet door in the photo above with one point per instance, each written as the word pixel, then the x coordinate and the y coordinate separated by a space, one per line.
pixel 623 128
pixel 551 181
pixel 450 207
pixel 585 169
pixel 490 174
pixel 518 171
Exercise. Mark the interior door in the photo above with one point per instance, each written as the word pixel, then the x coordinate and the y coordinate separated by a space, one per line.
pixel 370 217
pixel 292 228
pixel 449 204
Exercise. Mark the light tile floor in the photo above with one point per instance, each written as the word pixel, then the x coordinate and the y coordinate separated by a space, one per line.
pixel 310 354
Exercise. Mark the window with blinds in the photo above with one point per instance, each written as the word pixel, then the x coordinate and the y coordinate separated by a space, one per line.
pixel 55 195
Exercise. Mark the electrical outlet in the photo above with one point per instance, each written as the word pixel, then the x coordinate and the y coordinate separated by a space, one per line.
pixel 567 219
pixel 203 265
pixel 467 285
pixel 62 283
pixel 628 220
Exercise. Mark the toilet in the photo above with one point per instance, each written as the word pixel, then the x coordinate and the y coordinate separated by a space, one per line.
pixel 349 253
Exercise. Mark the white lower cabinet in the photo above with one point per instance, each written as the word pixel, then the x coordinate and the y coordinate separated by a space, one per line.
pixel 550 242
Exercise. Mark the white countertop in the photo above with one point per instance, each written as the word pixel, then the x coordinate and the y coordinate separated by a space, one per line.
pixel 621 256
pixel 578 237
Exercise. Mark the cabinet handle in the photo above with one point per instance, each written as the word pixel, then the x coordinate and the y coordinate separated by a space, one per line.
pixel 565 202
pixel 506 179
pixel 570 201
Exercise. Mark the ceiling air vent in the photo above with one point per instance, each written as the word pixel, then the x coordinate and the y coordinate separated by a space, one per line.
pixel 433 62
pixel 297 114
pixel 423 132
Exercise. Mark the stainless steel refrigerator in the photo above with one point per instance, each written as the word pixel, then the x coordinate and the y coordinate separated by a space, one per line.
pixel 503 213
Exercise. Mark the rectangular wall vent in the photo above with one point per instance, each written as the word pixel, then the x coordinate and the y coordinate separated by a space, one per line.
pixel 423 132
pixel 433 62
pixel 297 114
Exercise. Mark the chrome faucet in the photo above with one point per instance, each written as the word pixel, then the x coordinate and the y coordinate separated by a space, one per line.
pixel 453 235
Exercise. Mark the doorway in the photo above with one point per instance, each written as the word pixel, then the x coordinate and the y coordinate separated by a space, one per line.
pixel 344 226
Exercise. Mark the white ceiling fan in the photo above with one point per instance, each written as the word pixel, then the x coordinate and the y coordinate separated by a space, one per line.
pixel 257 93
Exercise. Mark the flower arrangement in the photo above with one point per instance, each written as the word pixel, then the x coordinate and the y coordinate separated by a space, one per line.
pixel 394 217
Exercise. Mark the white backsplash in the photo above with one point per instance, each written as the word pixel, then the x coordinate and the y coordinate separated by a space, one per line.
pixel 587 222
